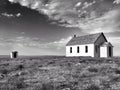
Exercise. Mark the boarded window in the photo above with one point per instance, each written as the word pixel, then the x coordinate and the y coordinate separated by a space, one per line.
pixel 86 49
pixel 70 49
pixel 78 49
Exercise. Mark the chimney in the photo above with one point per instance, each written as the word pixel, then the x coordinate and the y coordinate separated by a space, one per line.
pixel 74 35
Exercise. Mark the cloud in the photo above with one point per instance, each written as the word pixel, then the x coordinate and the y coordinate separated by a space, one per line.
pixel 11 15
pixel 78 4
pixel 116 44
pixel 20 41
pixel 7 15
pixel 88 15
pixel 28 46
pixel 86 4
pixel 18 14
pixel 11 0
pixel 117 1
pixel 61 43
pixel 63 40
pixel 23 41
pixel 115 40
pixel 109 22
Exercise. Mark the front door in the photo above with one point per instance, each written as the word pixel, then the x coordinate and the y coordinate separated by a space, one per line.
pixel 97 51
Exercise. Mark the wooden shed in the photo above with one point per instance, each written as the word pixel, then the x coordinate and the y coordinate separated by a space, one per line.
pixel 14 54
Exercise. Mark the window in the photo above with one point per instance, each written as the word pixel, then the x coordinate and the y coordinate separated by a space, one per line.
pixel 78 49
pixel 110 52
pixel 86 49
pixel 70 49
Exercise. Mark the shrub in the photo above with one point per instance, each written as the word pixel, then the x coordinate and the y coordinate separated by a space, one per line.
pixel 92 69
pixel 44 86
pixel 117 71
pixel 36 87
pixel 115 79
pixel 47 86
pixel 19 67
pixel 16 83
pixel 52 62
pixel 4 71
pixel 92 87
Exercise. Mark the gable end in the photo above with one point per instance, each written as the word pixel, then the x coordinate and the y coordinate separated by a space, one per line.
pixel 100 36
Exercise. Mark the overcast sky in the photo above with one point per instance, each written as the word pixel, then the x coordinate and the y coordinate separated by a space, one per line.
pixel 43 27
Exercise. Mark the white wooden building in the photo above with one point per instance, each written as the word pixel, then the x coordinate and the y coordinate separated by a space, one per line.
pixel 94 45
pixel 14 54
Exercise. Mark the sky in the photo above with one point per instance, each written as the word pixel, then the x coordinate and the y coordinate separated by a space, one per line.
pixel 43 27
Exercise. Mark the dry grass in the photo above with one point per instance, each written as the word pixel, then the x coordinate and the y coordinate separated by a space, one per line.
pixel 59 73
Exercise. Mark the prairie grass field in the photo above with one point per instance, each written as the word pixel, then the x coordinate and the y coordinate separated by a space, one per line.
pixel 59 73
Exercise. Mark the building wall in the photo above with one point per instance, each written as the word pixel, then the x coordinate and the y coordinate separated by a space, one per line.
pixel 103 52
pixel 109 52
pixel 81 50
pixel 99 41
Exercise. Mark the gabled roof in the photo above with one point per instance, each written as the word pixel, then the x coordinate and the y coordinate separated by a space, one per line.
pixel 87 39
pixel 106 44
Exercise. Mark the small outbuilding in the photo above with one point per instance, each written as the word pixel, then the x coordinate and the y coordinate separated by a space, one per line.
pixel 94 45
pixel 14 54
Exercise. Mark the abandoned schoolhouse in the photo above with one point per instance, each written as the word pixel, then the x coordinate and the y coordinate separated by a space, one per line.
pixel 93 45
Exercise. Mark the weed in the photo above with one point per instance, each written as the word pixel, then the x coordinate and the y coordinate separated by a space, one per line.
pixel 48 86
pixel 92 69
pixel 19 67
pixel 117 71
pixel 92 87
pixel 4 71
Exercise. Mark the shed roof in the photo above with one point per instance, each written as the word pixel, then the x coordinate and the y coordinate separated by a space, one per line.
pixel 87 39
